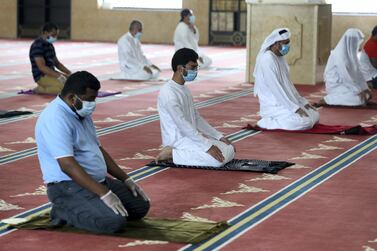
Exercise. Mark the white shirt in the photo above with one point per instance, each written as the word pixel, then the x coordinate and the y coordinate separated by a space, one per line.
pixel 181 124
pixel 60 133
pixel 131 57
pixel 185 38
pixel 277 94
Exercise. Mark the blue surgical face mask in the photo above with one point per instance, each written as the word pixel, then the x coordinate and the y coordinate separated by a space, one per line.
pixel 190 76
pixel 138 35
pixel 51 39
pixel 192 19
pixel 87 108
pixel 284 49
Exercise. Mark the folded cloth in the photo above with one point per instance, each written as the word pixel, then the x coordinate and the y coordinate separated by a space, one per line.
pixel 370 105
pixel 326 129
pixel 172 230
pixel 8 114
pixel 261 166
pixel 100 94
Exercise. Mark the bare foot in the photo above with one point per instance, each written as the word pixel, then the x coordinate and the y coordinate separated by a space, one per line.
pixel 165 154
pixel 319 103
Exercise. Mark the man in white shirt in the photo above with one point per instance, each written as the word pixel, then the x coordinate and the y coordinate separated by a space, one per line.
pixel 345 83
pixel 187 137
pixel 186 35
pixel 133 63
pixel 281 106
pixel 75 166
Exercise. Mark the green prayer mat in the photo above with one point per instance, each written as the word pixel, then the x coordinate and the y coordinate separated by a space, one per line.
pixel 171 230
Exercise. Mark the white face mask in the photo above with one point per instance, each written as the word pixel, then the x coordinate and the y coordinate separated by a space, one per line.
pixel 87 108
pixel 192 19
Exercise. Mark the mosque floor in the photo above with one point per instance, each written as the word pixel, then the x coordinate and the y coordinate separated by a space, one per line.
pixel 327 201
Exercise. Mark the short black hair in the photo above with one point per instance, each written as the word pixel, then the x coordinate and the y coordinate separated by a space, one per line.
pixel 78 82
pixel 135 23
pixel 48 27
pixel 182 57
pixel 185 13
pixel 374 31
pixel 282 32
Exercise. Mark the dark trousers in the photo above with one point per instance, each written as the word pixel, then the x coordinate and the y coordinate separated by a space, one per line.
pixel 76 206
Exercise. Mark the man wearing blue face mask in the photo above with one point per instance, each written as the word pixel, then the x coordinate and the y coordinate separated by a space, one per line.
pixel 187 137
pixel 281 106
pixel 133 63
pixel 186 35
pixel 48 72
pixel 75 165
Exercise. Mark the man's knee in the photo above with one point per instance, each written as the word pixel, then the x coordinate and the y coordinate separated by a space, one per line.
pixel 110 224
pixel 139 209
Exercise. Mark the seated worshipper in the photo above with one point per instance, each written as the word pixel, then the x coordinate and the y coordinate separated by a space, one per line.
pixel 345 83
pixel 75 165
pixel 186 35
pixel 281 106
pixel 187 137
pixel 48 72
pixel 132 61
pixel 368 59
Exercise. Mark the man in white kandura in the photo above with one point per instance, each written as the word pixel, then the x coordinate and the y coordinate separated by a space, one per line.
pixel 187 137
pixel 133 63
pixel 345 83
pixel 281 106
pixel 186 35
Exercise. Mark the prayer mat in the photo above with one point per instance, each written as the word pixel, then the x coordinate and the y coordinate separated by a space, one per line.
pixel 101 94
pixel 8 114
pixel 370 105
pixel 247 165
pixel 326 129
pixel 171 230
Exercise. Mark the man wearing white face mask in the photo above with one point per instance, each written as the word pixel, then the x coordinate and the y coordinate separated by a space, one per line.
pixel 187 137
pixel 133 64
pixel 186 35
pixel 345 83
pixel 48 72
pixel 75 165
pixel 281 106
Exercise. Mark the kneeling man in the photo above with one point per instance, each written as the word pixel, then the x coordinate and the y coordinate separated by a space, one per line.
pixel 281 106
pixel 187 137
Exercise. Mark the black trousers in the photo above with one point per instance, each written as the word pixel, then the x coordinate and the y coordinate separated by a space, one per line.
pixel 83 209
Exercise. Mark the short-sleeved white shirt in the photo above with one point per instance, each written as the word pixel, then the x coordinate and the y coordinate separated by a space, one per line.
pixel 60 132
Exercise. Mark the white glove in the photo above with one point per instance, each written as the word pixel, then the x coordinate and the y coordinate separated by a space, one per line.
pixel 62 79
pixel 113 202
pixel 135 189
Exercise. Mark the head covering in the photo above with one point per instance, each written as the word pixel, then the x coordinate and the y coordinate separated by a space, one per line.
pixel 275 36
pixel 344 56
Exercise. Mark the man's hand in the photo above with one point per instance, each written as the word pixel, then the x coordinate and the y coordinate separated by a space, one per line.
pixel 113 202
pixel 302 113
pixel 147 69
pixel 368 94
pixel 227 141
pixel 135 189
pixel 309 106
pixel 215 152
pixel 62 79
pixel 155 67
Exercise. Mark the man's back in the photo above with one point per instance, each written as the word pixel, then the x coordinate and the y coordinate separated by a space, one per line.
pixel 45 50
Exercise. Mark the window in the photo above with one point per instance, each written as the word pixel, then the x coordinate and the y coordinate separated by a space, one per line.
pixel 352 6
pixel 142 4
